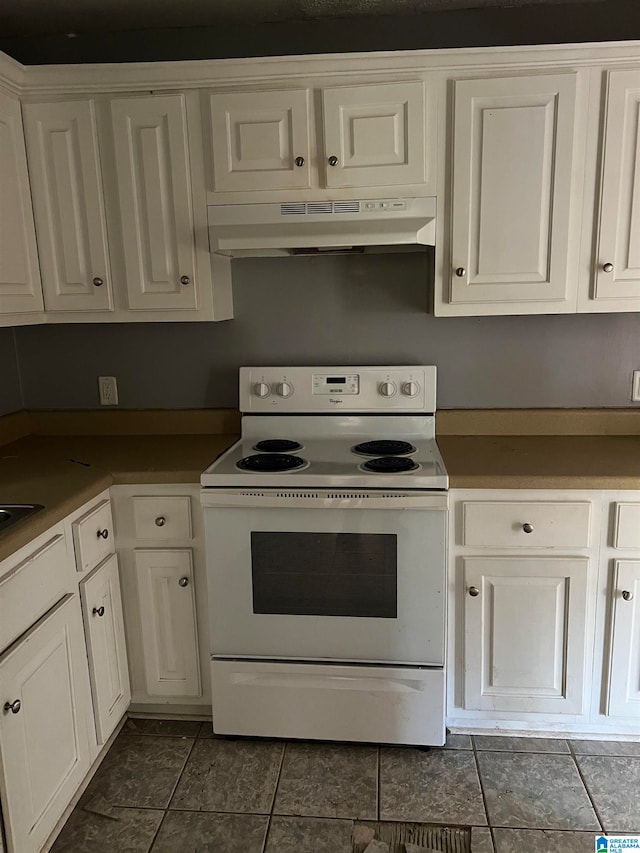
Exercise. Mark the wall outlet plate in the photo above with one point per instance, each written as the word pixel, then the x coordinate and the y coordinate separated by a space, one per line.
pixel 635 387
pixel 108 388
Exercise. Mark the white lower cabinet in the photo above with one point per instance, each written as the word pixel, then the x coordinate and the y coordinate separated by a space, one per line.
pixel 104 630
pixel 168 616
pixel 524 633
pixel 45 725
pixel 164 588
pixel 624 678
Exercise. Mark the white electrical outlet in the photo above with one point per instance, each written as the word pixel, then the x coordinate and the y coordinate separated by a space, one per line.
pixel 108 388
pixel 635 387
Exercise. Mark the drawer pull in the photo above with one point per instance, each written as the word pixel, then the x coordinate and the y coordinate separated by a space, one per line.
pixel 183 582
pixel 98 611
pixel 474 592
pixel 628 596
pixel 14 706
pixel 103 534
pixel 161 521
pixel 528 528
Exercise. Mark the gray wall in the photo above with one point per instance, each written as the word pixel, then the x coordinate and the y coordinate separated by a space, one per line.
pixel 10 394
pixel 353 310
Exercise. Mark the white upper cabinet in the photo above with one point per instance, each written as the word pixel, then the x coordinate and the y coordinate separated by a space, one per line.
pixel 20 288
pixel 617 258
pixel 516 195
pixel 364 136
pixel 261 140
pixel 66 183
pixel 374 135
pixel 154 186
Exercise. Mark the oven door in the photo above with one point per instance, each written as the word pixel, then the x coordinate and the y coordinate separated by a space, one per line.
pixel 355 577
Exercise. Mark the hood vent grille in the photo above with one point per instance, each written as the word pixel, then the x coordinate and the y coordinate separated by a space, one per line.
pixel 300 209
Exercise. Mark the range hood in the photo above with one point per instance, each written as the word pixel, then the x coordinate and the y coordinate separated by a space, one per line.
pixel 314 227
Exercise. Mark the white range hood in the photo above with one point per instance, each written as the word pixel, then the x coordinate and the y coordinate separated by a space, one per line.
pixel 386 224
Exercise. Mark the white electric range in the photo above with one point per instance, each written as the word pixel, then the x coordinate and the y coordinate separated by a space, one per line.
pixel 326 551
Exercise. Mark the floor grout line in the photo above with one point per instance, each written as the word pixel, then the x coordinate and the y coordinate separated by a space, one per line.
pixel 586 787
pixel 275 794
pixel 157 832
pixel 181 774
pixel 484 798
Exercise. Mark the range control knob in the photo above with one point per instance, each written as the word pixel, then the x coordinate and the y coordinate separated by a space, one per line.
pixel 387 389
pixel 410 389
pixel 261 389
pixel 284 389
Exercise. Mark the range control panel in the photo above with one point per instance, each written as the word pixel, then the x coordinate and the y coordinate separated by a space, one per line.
pixel 334 389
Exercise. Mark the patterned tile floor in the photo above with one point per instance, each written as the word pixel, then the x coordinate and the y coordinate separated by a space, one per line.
pixel 172 787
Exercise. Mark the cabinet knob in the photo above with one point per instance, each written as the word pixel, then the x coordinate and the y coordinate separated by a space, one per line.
pixel 608 267
pixel 333 160
pixel 103 534
pixel 184 279
pixel 161 521
pixel 98 282
pixel 528 528
pixel 299 161
pixel 183 582
pixel 14 706
pixel 461 272
pixel 98 611
pixel 473 591
pixel 627 595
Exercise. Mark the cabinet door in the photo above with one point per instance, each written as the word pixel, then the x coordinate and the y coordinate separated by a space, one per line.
pixel 20 288
pixel 516 195
pixel 168 620
pixel 376 134
pixel 104 630
pixel 45 744
pixel 154 187
pixel 624 679
pixel 617 262
pixel 64 164
pixel 261 140
pixel 524 628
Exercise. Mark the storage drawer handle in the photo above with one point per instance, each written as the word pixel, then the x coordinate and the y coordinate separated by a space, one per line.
pixel 103 534
pixel 14 706
pixel 161 521
pixel 627 595
pixel 98 611
pixel 528 528
pixel 183 582
pixel 474 592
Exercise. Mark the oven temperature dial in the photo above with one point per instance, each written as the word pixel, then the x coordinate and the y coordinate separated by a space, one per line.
pixel 387 389
pixel 261 389
pixel 410 389
pixel 284 389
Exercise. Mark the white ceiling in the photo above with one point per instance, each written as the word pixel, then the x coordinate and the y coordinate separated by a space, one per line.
pixel 28 17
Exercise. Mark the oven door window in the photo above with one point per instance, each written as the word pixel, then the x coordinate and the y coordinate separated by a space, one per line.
pixel 325 574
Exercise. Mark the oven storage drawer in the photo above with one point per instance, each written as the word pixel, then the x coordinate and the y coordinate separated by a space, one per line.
pixel 526 524
pixel 403 705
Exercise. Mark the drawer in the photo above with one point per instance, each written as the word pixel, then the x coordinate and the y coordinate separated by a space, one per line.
pixel 627 526
pixel 526 524
pixel 93 536
pixel 32 586
pixel 162 518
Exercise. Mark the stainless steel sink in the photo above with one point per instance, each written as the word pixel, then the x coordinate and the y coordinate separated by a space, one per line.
pixel 11 514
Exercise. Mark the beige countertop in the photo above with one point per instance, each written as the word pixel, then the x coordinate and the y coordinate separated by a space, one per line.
pixel 64 472
pixel 542 461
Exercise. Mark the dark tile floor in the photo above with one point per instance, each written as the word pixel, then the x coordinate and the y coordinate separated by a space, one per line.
pixel 171 787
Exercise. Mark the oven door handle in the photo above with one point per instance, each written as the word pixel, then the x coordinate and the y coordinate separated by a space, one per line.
pixel 333 682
